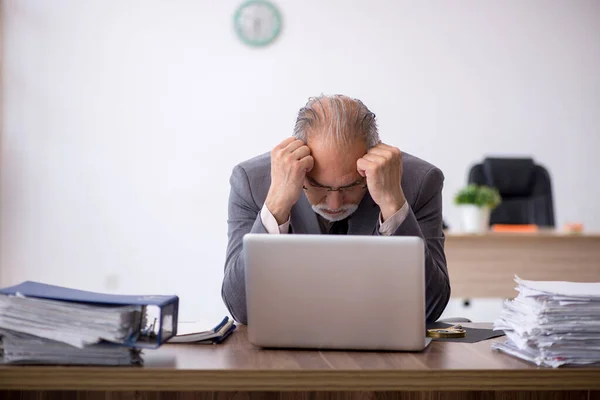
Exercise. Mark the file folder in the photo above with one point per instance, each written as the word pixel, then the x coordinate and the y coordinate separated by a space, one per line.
pixel 154 335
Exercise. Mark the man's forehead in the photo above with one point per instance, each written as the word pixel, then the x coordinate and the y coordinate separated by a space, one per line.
pixel 343 181
pixel 338 176
pixel 331 149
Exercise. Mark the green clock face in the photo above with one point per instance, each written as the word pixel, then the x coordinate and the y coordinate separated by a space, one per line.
pixel 257 22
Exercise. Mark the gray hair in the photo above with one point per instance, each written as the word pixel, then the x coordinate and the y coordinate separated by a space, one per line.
pixel 341 119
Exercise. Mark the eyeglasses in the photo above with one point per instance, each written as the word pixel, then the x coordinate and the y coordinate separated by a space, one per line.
pixel 317 189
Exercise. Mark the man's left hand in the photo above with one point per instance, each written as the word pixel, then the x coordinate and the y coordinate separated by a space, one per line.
pixel 382 166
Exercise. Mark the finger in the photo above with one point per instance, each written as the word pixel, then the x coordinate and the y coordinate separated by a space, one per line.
pixel 362 165
pixel 285 143
pixel 375 158
pixel 384 146
pixel 301 152
pixel 380 151
pixel 307 163
pixel 291 147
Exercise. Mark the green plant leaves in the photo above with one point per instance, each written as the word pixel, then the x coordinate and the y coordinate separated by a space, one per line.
pixel 478 195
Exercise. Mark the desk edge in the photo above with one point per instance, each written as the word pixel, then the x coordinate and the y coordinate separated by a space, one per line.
pixel 40 378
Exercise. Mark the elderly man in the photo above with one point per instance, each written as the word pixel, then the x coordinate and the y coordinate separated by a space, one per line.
pixel 334 176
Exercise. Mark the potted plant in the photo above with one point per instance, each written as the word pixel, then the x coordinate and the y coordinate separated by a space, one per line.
pixel 476 203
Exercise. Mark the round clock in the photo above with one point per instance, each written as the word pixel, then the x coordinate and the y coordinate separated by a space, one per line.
pixel 257 22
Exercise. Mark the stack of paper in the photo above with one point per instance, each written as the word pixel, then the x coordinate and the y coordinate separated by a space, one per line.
pixel 190 332
pixel 42 331
pixel 552 323
pixel 72 323
pixel 20 348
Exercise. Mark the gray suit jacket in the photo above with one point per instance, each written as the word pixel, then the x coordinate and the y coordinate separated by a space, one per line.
pixel 422 184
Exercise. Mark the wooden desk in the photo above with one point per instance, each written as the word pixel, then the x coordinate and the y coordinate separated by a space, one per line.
pixel 236 368
pixel 485 265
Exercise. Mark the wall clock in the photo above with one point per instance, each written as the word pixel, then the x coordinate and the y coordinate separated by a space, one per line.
pixel 257 22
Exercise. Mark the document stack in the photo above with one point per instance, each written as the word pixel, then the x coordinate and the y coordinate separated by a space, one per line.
pixel 45 324
pixel 552 324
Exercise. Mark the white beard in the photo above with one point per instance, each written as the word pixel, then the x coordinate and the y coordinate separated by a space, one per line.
pixel 346 211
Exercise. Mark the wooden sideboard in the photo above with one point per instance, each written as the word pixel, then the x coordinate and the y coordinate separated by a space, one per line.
pixel 237 369
pixel 485 265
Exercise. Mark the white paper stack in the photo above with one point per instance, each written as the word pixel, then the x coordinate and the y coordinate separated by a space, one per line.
pixel 20 348
pixel 41 331
pixel 552 323
pixel 72 323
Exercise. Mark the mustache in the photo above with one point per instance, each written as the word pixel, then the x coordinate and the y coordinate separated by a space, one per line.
pixel 342 212
pixel 345 207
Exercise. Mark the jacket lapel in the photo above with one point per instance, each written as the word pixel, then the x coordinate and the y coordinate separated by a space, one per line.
pixel 364 219
pixel 303 219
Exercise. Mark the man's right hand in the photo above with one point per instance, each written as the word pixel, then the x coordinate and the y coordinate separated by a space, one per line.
pixel 290 161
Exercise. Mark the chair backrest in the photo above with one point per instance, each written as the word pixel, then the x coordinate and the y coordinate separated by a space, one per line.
pixel 525 188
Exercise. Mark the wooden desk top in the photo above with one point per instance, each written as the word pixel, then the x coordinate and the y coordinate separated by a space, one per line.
pixel 544 234
pixel 237 365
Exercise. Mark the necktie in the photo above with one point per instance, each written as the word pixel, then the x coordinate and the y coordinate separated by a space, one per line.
pixel 339 227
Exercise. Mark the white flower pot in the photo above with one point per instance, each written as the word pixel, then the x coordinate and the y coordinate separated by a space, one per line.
pixel 475 219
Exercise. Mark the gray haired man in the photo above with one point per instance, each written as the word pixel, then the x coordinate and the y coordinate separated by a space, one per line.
pixel 334 176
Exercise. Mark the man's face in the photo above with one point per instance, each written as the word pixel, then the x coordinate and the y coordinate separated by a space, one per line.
pixel 335 168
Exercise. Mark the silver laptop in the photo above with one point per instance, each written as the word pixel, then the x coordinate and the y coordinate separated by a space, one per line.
pixel 336 292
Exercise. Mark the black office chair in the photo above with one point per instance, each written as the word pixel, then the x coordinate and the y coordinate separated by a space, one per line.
pixel 524 186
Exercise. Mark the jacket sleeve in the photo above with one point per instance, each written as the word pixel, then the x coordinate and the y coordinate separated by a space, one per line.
pixel 243 216
pixel 425 220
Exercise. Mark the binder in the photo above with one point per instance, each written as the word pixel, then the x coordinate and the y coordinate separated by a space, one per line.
pixel 159 332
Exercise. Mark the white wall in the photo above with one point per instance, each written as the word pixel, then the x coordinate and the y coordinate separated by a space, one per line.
pixel 122 119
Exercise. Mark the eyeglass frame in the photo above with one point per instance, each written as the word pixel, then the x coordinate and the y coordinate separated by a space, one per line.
pixel 362 184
